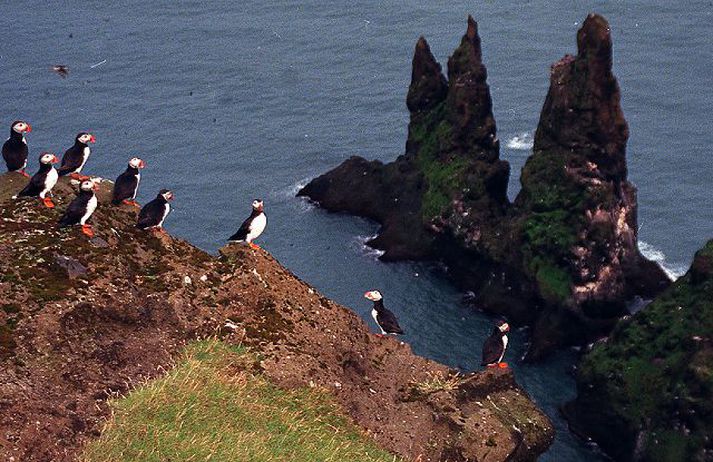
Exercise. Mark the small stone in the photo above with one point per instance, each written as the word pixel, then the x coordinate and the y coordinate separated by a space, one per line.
pixel 187 280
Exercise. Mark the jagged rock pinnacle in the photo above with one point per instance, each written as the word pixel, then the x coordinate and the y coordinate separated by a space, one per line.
pixel 428 85
pixel 582 111
pixel 469 103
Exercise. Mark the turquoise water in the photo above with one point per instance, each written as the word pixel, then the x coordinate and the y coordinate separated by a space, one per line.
pixel 229 101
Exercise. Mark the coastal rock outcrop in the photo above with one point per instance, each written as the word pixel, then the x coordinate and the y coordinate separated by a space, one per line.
pixel 563 257
pixel 83 320
pixel 646 392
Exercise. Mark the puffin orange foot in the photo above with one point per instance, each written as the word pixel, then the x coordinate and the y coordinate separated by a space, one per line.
pixel 131 202
pixel 48 203
pixel 87 229
pixel 24 173
pixel 254 246
pixel 503 365
pixel 78 176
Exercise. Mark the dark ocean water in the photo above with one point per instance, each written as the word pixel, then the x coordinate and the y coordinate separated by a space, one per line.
pixel 228 101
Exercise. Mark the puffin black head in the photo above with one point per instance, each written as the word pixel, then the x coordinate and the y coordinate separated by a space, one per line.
pixel 89 185
pixel 373 295
pixel 136 163
pixel 258 205
pixel 47 158
pixel 165 194
pixel 85 138
pixel 503 326
pixel 20 126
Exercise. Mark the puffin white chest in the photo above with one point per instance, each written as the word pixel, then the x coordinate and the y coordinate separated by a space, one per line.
pixel 91 207
pixel 50 181
pixel 85 155
pixel 505 345
pixel 136 189
pixel 257 226
pixel 374 315
pixel 166 211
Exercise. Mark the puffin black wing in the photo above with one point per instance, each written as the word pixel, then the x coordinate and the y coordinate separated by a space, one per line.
pixel 151 214
pixel 71 161
pixel 492 348
pixel 34 187
pixel 75 211
pixel 124 187
pixel 388 322
pixel 14 152
pixel 242 233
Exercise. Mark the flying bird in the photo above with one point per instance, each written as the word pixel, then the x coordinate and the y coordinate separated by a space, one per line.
pixel 61 70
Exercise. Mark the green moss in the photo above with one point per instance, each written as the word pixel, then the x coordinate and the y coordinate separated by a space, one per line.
pixel 445 174
pixel 655 372
pixel 554 282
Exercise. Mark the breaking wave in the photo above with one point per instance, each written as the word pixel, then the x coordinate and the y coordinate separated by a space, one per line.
pixel 652 253
pixel 521 142
pixel 364 249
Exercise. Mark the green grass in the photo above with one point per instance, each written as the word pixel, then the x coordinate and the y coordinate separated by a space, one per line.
pixel 210 407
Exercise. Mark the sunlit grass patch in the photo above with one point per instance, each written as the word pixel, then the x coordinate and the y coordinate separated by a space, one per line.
pixel 213 407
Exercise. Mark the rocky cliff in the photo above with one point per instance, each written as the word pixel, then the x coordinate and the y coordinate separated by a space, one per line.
pixel 84 320
pixel 646 392
pixel 563 257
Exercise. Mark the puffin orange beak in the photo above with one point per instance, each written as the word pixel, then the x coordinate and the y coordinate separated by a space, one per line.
pixel 92 139
pixel 95 187
pixel 55 159
pixel 28 129
pixel 367 295
pixel 142 164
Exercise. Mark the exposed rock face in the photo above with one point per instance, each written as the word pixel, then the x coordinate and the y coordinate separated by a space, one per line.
pixel 647 392
pixel 577 210
pixel 81 322
pixel 564 256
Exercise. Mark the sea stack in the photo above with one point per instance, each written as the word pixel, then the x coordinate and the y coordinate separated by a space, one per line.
pixel 563 257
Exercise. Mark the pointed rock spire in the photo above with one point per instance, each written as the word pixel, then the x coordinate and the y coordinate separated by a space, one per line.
pixel 428 84
pixel 582 112
pixel 469 102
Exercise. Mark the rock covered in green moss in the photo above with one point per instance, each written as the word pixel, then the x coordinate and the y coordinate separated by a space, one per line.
pixel 646 393
pixel 564 256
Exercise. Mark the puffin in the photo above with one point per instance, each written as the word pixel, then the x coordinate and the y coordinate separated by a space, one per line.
pixel 495 345
pixel 127 184
pixel 43 181
pixel 384 318
pixel 75 157
pixel 81 208
pixel 253 226
pixel 155 212
pixel 14 151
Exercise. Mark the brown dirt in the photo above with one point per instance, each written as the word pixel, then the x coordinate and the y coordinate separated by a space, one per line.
pixel 83 320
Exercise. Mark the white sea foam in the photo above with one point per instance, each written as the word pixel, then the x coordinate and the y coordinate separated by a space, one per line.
pixel 521 142
pixel 290 192
pixel 652 253
pixel 362 246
